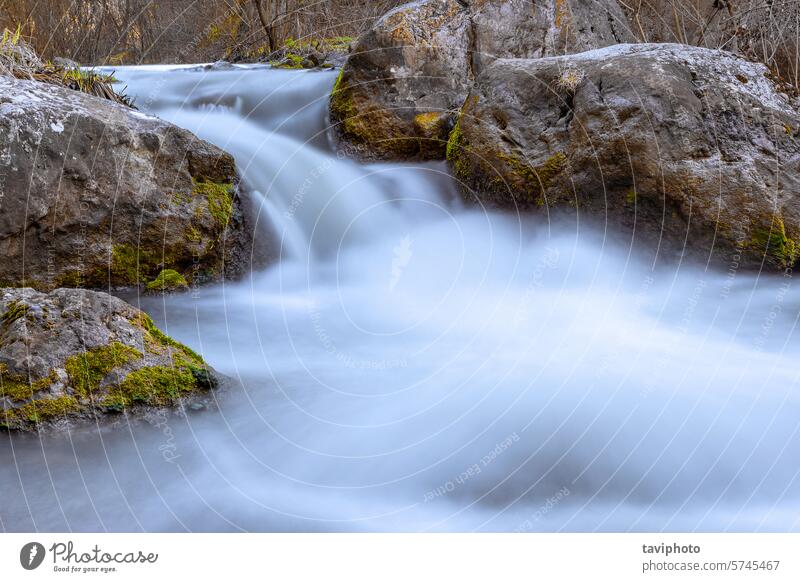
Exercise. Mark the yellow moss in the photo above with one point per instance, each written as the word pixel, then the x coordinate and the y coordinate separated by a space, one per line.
pixel 774 241
pixel 192 234
pixel 428 122
pixel 167 280
pixel 14 311
pixel 158 340
pixel 40 410
pixel 19 387
pixel 124 264
pixel 87 370
pixel 219 197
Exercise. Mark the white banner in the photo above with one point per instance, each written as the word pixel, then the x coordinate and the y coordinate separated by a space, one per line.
pixel 401 557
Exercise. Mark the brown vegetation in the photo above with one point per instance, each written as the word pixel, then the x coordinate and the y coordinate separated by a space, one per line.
pixel 767 31
pixel 134 31
pixel 142 31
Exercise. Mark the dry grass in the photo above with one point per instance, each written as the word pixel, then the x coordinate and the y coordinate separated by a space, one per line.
pixel 19 60
pixel 765 31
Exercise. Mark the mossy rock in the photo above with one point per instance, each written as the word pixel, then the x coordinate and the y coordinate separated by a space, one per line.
pixel 174 205
pixel 115 360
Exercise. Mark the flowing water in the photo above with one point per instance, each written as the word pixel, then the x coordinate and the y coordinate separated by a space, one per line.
pixel 413 363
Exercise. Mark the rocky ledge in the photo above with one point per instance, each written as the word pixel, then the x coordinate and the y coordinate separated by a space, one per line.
pixel 95 194
pixel 74 354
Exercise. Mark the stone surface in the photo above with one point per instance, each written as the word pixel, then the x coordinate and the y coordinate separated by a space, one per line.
pixel 396 93
pixel 694 148
pixel 74 354
pixel 97 194
pixel 400 89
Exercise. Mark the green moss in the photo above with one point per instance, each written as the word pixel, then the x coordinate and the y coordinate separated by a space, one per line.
pixel 88 369
pixel 456 154
pixel 14 311
pixel 73 279
pixel 341 100
pixel 219 198
pixel 168 280
pixel 158 340
pixel 42 410
pixel 125 264
pixel 630 196
pixel 775 242
pixel 193 235
pixel 19 387
pixel 157 385
pixel 290 61
pixel 113 403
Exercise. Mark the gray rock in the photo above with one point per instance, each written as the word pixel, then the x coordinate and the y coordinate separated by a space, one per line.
pixel 399 91
pixel 396 94
pixel 66 63
pixel 527 29
pixel 94 194
pixel 74 354
pixel 690 148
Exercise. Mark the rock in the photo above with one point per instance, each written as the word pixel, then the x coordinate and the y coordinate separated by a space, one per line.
pixel 399 91
pixel 395 95
pixel 695 148
pixel 95 194
pixel 66 63
pixel 526 29
pixel 74 354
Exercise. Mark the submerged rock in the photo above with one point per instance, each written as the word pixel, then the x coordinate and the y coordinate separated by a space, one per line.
pixel 399 92
pixel 695 148
pixel 95 194
pixel 74 354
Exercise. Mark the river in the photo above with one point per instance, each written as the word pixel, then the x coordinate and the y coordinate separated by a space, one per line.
pixel 409 362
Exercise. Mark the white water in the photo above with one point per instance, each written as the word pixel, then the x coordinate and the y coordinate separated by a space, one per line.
pixel 410 364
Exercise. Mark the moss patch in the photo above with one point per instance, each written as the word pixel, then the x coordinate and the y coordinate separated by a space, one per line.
pixel 168 280
pixel 87 370
pixel 157 385
pixel 14 310
pixel 364 121
pixel 125 264
pixel 19 387
pixel 775 242
pixel 40 410
pixel 219 197
pixel 455 153
pixel 157 340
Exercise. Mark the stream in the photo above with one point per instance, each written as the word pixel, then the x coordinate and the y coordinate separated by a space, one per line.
pixel 409 362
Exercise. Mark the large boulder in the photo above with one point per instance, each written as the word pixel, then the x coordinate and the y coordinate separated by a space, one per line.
pixel 395 95
pixel 95 194
pixel 75 353
pixel 529 29
pixel 694 148
pixel 398 93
